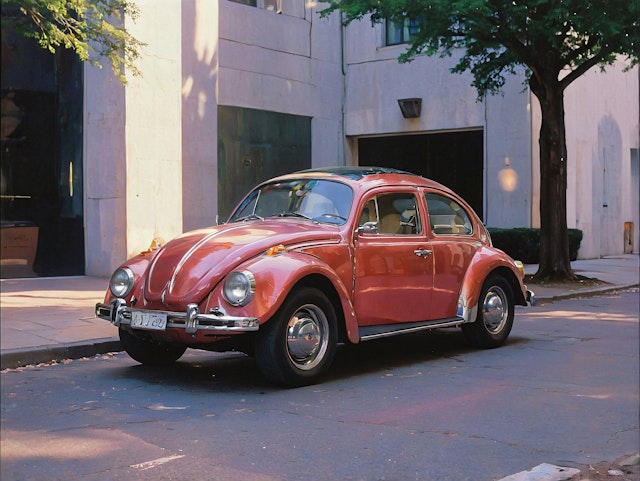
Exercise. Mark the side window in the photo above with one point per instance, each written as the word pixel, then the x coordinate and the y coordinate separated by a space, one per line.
pixel 272 5
pixel 392 214
pixel 446 216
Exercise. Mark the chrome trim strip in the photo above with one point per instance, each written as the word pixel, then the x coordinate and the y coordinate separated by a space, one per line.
pixel 191 321
pixel 389 330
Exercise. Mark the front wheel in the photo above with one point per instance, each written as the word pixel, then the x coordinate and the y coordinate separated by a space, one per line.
pixel 150 353
pixel 495 314
pixel 298 344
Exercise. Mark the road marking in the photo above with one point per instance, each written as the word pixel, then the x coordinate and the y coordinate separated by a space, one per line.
pixel 156 462
pixel 544 472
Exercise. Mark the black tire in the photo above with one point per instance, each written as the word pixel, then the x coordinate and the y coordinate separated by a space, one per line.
pixel 297 345
pixel 150 353
pixel 495 314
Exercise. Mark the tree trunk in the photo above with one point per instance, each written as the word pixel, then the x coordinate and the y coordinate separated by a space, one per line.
pixel 554 238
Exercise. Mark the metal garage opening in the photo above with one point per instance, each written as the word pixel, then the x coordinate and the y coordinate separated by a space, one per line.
pixel 455 159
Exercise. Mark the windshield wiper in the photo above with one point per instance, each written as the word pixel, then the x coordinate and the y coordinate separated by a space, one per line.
pixel 288 213
pixel 249 217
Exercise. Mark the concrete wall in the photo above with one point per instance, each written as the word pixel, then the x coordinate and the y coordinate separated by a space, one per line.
pixel 104 172
pixel 241 56
pixel 602 126
pixel 289 63
pixel 200 29
pixel 375 81
pixel 602 130
pixel 151 148
pixel 153 134
pixel 133 156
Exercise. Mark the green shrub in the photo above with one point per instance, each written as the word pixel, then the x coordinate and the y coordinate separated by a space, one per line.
pixel 523 243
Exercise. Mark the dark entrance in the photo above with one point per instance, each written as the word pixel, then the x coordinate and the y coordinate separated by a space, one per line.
pixel 42 171
pixel 255 145
pixel 454 159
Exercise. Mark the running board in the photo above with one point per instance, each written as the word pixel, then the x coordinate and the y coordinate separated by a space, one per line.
pixel 367 333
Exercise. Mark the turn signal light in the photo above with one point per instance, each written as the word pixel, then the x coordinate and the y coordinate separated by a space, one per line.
pixel 275 250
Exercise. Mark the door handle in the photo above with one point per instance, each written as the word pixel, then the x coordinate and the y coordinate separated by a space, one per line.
pixel 423 252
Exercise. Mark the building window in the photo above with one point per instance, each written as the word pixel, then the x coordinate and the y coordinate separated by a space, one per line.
pixel 400 32
pixel 271 5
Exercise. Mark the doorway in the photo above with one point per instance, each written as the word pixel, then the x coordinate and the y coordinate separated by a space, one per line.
pixel 41 179
pixel 455 159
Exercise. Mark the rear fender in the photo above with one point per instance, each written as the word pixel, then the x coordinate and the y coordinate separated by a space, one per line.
pixel 275 277
pixel 487 261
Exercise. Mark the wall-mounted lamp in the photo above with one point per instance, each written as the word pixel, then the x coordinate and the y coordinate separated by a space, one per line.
pixel 410 107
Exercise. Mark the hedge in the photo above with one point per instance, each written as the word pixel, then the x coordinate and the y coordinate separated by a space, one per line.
pixel 523 243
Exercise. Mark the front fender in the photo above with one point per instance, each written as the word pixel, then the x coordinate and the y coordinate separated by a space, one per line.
pixel 275 277
pixel 487 261
pixel 138 266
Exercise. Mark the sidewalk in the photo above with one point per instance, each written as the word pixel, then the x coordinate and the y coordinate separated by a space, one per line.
pixel 50 319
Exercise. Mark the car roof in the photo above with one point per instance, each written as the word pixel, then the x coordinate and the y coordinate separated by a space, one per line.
pixel 366 176
pixel 357 173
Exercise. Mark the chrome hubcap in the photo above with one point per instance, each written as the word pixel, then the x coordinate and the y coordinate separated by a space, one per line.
pixel 307 337
pixel 495 310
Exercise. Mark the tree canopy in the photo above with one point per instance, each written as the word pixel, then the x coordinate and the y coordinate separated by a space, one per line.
pixel 94 29
pixel 556 41
pixel 547 36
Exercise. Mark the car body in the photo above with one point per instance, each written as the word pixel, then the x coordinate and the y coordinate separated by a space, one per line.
pixel 313 259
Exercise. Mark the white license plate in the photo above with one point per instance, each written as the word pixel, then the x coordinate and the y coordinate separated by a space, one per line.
pixel 154 321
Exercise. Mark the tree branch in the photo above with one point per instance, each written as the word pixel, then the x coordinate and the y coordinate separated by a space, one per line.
pixel 585 66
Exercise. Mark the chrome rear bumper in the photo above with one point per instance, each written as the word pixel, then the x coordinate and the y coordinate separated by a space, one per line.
pixel 191 321
pixel 531 298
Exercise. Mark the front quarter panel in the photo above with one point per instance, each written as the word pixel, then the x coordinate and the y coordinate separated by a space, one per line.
pixel 275 277
pixel 138 266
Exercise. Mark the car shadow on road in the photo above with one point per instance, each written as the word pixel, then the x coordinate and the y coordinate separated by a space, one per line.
pixel 228 372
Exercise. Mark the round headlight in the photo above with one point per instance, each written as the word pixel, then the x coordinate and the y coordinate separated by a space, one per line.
pixel 239 288
pixel 121 282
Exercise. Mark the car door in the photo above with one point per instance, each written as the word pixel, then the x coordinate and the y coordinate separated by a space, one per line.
pixel 453 242
pixel 393 265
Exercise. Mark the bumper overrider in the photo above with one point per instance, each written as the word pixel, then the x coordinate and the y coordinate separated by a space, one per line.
pixel 191 321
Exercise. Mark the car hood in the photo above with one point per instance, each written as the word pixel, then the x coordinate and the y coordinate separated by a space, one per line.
pixel 187 268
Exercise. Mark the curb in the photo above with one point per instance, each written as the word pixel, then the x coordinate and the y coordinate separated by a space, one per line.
pixel 585 293
pixel 14 358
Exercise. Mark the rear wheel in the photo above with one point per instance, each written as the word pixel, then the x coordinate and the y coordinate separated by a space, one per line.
pixel 150 353
pixel 298 344
pixel 495 314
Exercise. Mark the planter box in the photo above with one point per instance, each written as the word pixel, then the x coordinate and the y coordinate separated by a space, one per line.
pixel 19 241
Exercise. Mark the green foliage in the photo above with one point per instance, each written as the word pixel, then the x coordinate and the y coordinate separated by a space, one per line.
pixel 523 243
pixel 94 29
pixel 497 36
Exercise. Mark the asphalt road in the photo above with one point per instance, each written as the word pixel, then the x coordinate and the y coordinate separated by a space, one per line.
pixel 564 390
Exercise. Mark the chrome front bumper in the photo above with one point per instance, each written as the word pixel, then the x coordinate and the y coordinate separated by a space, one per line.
pixel 191 321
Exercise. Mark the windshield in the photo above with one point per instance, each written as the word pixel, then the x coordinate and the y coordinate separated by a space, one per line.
pixel 317 200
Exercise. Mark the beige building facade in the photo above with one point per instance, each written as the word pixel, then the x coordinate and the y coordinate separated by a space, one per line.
pixel 233 93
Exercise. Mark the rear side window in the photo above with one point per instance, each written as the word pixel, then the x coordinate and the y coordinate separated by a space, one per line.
pixel 446 216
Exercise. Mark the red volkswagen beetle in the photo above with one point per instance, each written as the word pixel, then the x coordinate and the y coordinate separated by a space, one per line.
pixel 313 259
